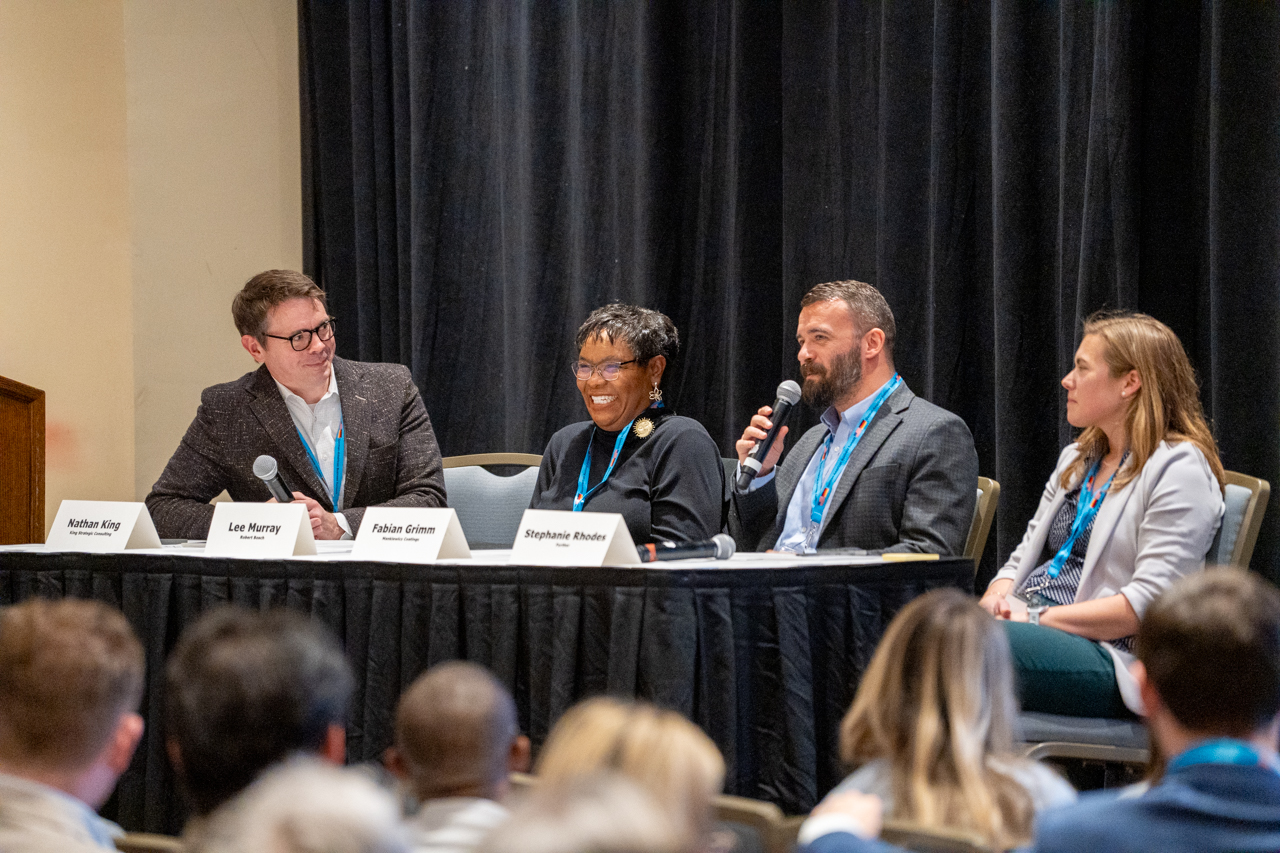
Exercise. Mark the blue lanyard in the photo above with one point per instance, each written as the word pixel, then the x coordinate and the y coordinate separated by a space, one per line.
pixel 584 476
pixel 822 488
pixel 339 461
pixel 1222 751
pixel 1086 509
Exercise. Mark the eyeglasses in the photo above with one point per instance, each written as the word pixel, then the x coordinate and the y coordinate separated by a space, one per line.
pixel 609 370
pixel 302 340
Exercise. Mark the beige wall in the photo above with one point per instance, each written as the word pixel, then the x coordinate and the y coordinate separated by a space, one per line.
pixel 66 306
pixel 149 164
pixel 215 193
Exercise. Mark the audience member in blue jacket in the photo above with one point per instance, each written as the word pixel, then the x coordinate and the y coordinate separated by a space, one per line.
pixel 1209 672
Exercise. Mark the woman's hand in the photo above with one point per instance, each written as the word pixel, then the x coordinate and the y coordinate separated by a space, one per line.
pixel 865 811
pixel 993 600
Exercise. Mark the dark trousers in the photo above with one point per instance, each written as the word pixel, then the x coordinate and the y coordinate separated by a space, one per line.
pixel 1061 673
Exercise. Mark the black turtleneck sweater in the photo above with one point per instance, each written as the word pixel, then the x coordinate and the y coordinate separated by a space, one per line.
pixel 667 486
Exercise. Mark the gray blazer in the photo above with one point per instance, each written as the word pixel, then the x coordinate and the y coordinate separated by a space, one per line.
pixel 1146 535
pixel 392 457
pixel 910 485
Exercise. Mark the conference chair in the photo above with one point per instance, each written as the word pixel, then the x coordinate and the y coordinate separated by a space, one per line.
pixel 777 832
pixel 146 842
pixel 490 506
pixel 1125 742
pixel 984 512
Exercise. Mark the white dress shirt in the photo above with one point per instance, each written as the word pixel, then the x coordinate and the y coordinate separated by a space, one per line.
pixel 454 824
pixel 319 425
pixel 796 537
pixel 35 818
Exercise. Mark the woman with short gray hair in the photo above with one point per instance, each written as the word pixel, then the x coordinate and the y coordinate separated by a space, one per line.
pixel 635 456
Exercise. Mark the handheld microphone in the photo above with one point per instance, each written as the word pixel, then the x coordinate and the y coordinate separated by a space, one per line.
pixel 788 396
pixel 720 546
pixel 266 470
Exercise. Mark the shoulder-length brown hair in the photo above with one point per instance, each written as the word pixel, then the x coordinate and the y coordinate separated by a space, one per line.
pixel 1167 405
pixel 937 704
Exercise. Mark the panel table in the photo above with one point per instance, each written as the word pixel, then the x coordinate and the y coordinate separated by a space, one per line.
pixel 763 652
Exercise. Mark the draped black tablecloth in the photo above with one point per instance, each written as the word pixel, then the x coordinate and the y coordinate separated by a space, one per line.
pixel 765 660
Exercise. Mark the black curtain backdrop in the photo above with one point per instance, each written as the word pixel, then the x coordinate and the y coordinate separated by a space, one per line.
pixel 480 174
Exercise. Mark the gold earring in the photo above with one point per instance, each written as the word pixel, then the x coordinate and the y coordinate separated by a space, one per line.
pixel 656 393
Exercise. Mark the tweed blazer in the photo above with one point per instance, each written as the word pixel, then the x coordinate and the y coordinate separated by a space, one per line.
pixel 1146 535
pixel 910 485
pixel 391 454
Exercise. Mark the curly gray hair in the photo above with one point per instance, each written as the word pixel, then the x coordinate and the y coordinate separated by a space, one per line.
pixel 646 332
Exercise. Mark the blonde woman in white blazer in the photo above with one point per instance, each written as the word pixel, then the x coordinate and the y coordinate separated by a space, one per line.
pixel 1131 506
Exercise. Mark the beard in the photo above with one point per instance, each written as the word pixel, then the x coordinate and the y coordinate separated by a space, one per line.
pixel 828 385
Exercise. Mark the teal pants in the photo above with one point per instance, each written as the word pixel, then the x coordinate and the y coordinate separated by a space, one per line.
pixel 1061 673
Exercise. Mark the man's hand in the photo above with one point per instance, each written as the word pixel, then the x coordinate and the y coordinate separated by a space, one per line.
pixel 865 810
pixel 324 525
pixel 756 431
pixel 994 600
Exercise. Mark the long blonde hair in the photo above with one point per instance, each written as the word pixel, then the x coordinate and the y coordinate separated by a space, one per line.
pixel 1166 407
pixel 937 704
pixel 667 755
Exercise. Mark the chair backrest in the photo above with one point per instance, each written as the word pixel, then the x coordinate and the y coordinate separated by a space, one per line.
pixel 146 842
pixel 915 837
pixel 777 832
pixel 984 511
pixel 1246 502
pixel 490 507
pixel 527 459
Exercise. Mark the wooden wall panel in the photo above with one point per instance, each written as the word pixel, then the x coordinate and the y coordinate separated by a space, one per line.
pixel 21 463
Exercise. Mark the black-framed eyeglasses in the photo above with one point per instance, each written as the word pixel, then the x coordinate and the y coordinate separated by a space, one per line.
pixel 609 370
pixel 301 340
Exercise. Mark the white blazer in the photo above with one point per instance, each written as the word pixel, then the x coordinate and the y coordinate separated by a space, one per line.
pixel 1146 535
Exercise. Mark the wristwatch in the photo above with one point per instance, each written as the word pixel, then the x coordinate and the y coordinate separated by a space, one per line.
pixel 1034 611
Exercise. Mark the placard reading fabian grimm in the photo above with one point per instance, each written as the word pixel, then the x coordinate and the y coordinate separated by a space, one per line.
pixel 410 535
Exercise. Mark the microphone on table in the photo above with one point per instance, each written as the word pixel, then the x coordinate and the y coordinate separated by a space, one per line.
pixel 720 546
pixel 788 396
pixel 266 470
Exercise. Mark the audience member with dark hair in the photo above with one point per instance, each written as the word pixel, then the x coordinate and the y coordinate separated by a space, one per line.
pixel 71 676
pixel 931 727
pixel 457 740
pixel 593 813
pixel 245 690
pixel 1209 674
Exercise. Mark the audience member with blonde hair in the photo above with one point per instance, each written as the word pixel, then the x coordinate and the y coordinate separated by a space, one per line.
pixel 457 740
pixel 71 676
pixel 931 727
pixel 590 813
pixel 667 755
pixel 1209 673
pixel 1133 505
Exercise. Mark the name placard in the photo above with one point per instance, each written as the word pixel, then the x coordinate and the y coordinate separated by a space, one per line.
pixel 268 531
pixel 102 527
pixel 560 538
pixel 410 535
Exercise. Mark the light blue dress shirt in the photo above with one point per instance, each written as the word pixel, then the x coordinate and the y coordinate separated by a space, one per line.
pixel 796 536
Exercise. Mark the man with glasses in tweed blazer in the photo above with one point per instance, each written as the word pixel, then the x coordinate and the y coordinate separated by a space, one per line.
pixel 346 435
